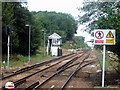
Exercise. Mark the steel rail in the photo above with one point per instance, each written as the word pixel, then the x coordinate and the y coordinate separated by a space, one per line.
pixel 32 86
pixel 73 73
pixel 23 79
pixel 80 63
pixel 17 83
pixel 20 81
pixel 69 67
pixel 66 68
pixel 56 73
pixel 66 64
pixel 69 62
pixel 33 66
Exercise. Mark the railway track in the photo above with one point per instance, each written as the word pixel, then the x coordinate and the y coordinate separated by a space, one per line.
pixel 66 63
pixel 34 66
pixel 19 72
pixel 48 81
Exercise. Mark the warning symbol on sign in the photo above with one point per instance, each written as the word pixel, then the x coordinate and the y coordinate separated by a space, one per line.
pixel 99 34
pixel 110 35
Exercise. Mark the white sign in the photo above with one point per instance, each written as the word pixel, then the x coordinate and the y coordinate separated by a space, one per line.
pixel 104 37
pixel 9 85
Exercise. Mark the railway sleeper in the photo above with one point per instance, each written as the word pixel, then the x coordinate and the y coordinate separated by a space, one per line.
pixel 34 66
pixel 32 86
pixel 58 72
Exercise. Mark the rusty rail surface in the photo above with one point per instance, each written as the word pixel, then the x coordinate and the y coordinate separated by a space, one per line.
pixel 20 81
pixel 58 72
pixel 34 66
pixel 73 73
pixel 37 84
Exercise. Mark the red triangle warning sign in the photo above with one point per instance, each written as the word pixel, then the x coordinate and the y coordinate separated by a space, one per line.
pixel 110 35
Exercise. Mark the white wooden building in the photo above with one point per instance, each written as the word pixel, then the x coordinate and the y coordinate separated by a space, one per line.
pixel 54 45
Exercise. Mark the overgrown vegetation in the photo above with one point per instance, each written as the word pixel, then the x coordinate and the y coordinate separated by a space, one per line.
pixel 111 76
pixel 103 15
pixel 18 59
pixel 75 43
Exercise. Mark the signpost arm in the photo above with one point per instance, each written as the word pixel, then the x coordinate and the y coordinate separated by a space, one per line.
pixel 103 68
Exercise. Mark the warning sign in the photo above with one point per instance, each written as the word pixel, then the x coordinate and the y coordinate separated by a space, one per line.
pixel 99 41
pixel 104 37
pixel 110 35
pixel 99 34
pixel 110 41
pixel 9 85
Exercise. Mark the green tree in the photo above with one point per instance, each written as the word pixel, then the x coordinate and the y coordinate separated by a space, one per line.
pixel 7 19
pixel 17 16
pixel 103 15
pixel 63 24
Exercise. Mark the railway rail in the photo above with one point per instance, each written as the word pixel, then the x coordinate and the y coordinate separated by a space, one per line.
pixel 33 73
pixel 62 70
pixel 34 66
pixel 63 67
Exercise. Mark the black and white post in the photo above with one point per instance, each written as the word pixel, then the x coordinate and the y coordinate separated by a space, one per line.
pixel 8 29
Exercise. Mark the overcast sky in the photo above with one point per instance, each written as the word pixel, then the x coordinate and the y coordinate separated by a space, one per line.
pixel 65 6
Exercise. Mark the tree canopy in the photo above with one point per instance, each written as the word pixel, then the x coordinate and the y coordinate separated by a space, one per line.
pixel 17 16
pixel 63 24
pixel 102 15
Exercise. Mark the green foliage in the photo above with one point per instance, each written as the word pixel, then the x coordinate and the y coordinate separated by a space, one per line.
pixel 17 16
pixel 19 59
pixel 103 15
pixel 63 24
pixel 75 43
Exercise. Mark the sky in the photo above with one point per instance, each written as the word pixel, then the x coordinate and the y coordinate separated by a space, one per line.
pixel 64 6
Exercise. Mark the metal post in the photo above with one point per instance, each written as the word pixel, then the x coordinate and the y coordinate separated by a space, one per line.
pixel 29 42
pixel 48 47
pixel 44 42
pixel 8 51
pixel 103 68
pixel 4 63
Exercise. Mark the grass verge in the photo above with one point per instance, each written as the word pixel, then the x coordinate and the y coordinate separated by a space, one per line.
pixel 19 59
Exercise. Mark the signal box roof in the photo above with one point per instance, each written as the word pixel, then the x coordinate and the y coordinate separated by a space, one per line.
pixel 54 36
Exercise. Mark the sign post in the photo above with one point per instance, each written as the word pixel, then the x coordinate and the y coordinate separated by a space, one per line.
pixel 103 71
pixel 104 37
pixel 29 28
pixel 9 32
pixel 8 50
